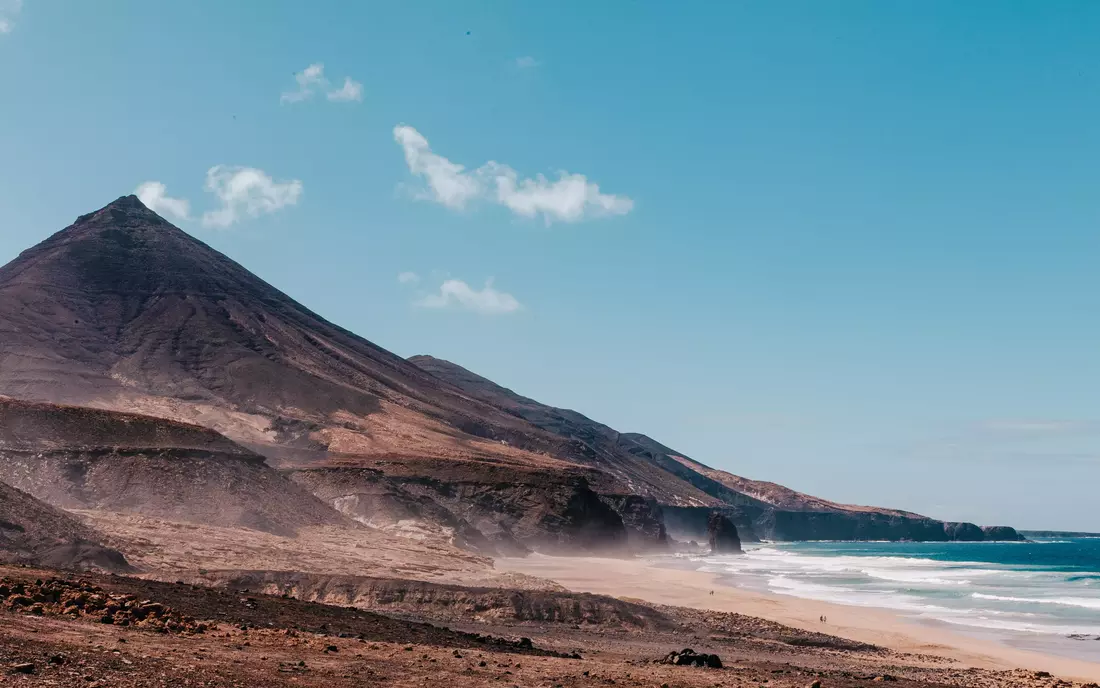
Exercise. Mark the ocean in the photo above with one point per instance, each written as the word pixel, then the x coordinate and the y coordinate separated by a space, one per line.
pixel 1042 595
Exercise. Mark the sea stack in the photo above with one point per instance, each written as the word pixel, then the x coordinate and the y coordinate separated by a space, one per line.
pixel 723 535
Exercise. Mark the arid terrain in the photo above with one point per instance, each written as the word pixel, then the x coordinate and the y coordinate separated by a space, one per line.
pixel 92 630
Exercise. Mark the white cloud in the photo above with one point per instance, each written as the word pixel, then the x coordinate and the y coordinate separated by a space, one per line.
pixel 155 197
pixel 246 191
pixel 313 79
pixel 448 183
pixel 9 11
pixel 408 278
pixel 351 91
pixel 455 293
pixel 570 198
pixel 527 62
pixel 309 79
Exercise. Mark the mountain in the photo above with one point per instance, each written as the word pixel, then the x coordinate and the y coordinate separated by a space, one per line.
pixel 122 311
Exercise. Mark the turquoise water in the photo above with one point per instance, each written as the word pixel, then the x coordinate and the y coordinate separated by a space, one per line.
pixel 1043 594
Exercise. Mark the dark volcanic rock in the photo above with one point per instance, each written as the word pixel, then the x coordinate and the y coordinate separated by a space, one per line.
pixel 689 657
pixel 545 512
pixel 643 519
pixel 1001 534
pixel 963 532
pixel 722 535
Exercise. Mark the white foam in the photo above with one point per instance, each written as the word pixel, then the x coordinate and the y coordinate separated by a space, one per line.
pixel 1083 602
pixel 1019 626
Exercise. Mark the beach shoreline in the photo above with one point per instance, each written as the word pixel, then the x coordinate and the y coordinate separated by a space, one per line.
pixel 646 579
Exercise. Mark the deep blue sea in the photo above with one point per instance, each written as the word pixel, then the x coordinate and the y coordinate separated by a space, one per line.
pixel 1042 595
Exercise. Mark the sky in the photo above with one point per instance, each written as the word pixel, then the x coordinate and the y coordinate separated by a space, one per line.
pixel 848 247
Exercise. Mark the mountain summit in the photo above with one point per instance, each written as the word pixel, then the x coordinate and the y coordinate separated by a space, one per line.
pixel 124 310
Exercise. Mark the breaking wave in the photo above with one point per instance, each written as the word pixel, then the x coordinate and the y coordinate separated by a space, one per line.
pixel 1046 589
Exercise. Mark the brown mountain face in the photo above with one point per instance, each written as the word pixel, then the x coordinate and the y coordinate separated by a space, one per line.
pixel 123 311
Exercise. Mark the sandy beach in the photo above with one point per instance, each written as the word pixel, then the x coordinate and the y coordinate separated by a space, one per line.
pixel 645 579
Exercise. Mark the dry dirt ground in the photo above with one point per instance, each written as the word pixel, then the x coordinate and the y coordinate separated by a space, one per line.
pixel 197 636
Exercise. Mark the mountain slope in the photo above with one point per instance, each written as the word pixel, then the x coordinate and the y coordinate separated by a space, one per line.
pixel 80 458
pixel 758 508
pixel 32 532
pixel 124 311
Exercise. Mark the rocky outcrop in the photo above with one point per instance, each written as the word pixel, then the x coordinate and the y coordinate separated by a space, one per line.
pixel 643 519
pixel 761 522
pixel 547 513
pixel 722 535
pixel 963 532
pixel 1001 534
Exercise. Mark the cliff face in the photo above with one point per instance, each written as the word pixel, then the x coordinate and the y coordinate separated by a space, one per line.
pixel 546 512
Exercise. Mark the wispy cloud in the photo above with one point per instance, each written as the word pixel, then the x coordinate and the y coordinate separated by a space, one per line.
pixel 408 278
pixel 527 62
pixel 155 197
pixel 1040 426
pixel 351 91
pixel 569 198
pixel 448 183
pixel 455 293
pixel 9 12
pixel 309 80
pixel 246 192
pixel 312 79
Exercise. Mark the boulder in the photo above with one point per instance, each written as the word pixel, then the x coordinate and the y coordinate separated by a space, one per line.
pixel 689 657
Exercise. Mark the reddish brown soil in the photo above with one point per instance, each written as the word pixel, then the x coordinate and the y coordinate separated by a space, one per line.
pixel 258 640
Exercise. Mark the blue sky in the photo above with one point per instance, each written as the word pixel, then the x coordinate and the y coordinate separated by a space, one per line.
pixel 849 247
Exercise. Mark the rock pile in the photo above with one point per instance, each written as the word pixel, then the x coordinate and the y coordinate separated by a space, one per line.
pixel 689 657
pixel 80 599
